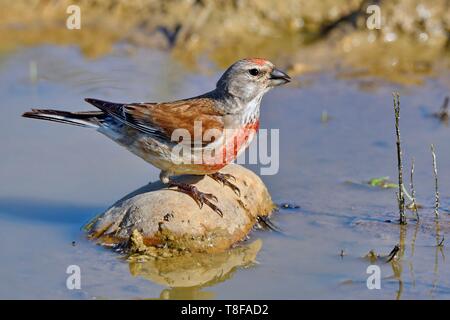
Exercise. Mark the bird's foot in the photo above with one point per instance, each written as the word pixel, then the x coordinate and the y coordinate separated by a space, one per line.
pixel 199 197
pixel 225 179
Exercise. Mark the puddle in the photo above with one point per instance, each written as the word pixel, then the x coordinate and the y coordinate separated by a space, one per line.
pixel 55 177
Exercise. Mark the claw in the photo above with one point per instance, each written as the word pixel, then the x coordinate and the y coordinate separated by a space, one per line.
pixel 206 197
pixel 234 188
pixel 199 197
pixel 213 197
pixel 229 176
pixel 225 178
pixel 215 208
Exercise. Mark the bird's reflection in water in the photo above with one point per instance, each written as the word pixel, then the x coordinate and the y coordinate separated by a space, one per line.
pixel 186 276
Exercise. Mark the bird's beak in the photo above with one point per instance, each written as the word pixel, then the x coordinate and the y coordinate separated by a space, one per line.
pixel 278 77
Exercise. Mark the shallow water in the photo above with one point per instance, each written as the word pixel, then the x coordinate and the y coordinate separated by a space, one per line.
pixel 54 178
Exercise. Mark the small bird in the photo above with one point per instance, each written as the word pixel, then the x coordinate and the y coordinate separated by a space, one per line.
pixel 223 122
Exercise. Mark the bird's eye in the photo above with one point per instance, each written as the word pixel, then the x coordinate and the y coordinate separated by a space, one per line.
pixel 253 72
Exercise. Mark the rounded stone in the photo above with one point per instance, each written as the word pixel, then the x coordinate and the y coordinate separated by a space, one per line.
pixel 163 217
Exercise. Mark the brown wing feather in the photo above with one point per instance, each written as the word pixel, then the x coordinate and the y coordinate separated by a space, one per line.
pixel 167 117
pixel 162 119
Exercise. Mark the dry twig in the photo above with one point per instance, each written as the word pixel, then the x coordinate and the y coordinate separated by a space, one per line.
pixel 400 195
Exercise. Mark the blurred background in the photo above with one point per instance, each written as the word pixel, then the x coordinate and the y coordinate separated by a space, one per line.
pixel 337 142
pixel 303 35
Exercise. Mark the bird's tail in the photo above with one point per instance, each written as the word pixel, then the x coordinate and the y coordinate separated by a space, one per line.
pixel 89 119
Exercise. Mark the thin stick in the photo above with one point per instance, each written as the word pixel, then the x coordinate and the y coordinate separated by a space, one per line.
pixel 441 243
pixel 443 114
pixel 393 253
pixel 400 196
pixel 444 107
pixel 406 194
pixel 413 191
pixel 436 187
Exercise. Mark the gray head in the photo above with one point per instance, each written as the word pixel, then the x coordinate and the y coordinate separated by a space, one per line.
pixel 248 79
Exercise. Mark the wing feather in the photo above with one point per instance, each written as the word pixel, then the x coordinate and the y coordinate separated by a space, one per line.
pixel 162 119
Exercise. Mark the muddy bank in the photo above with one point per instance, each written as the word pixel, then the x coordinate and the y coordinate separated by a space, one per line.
pixel 305 35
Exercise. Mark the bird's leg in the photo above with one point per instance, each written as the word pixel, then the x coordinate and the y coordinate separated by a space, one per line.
pixel 199 197
pixel 225 179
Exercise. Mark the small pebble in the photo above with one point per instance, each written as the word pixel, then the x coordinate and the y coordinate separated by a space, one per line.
pixel 289 206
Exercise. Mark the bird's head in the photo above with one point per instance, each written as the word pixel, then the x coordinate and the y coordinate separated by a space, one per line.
pixel 247 79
